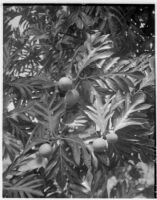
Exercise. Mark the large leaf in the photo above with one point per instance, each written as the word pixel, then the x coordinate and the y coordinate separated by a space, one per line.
pixel 149 79
pixel 11 146
pixel 26 187
pixel 49 117
pixel 61 166
pixel 133 104
pixel 95 48
pixel 100 114
pixel 66 158
pixel 28 87
pixel 36 162
pixel 124 74
pixel 132 128
pixel 78 146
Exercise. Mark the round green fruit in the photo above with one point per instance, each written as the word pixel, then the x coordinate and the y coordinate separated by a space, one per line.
pixel 112 137
pixel 100 145
pixel 14 181
pixel 65 84
pixel 45 150
pixel 71 98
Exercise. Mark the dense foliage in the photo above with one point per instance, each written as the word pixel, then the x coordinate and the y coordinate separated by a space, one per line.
pixel 91 133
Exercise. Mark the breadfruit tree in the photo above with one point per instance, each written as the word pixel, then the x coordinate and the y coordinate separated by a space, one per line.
pixel 78 100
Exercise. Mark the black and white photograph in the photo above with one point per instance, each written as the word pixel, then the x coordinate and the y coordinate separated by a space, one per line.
pixel 79 100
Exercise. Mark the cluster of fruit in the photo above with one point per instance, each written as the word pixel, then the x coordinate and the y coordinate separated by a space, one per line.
pixel 100 144
pixel 72 97
pixel 65 84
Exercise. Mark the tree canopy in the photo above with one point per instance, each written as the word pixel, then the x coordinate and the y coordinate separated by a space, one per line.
pixel 78 100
